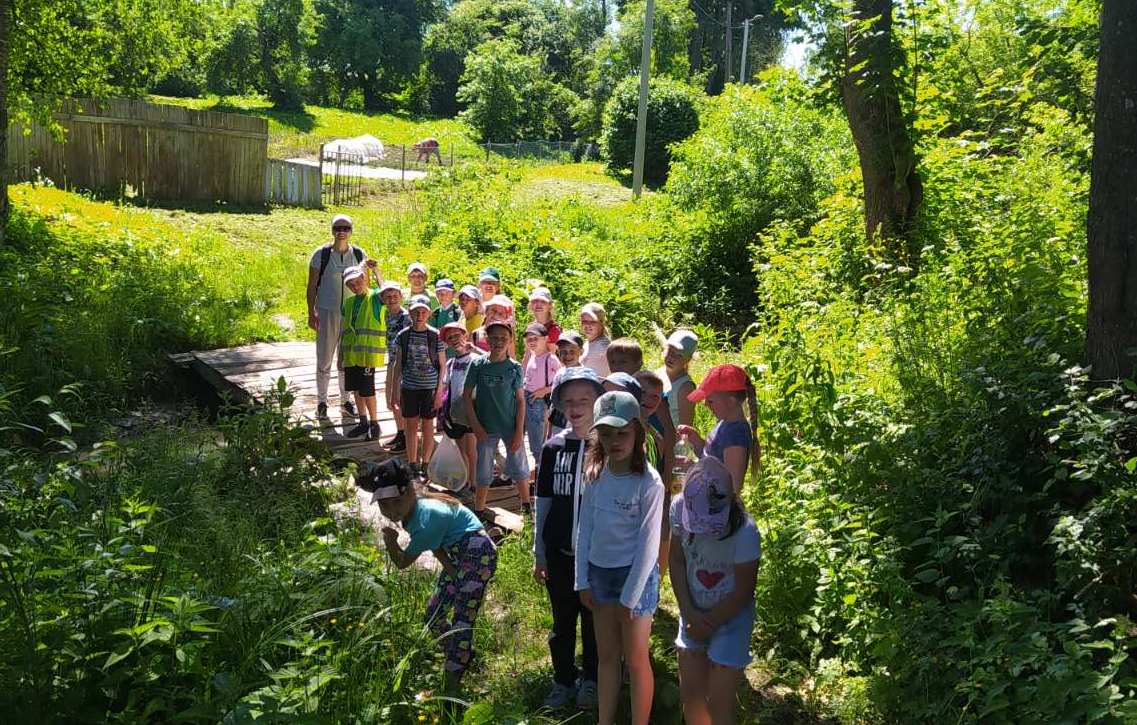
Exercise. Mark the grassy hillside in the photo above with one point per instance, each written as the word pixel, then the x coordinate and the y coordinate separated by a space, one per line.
pixel 293 133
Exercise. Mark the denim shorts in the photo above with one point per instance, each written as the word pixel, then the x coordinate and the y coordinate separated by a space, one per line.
pixel 535 414
pixel 516 466
pixel 608 583
pixel 729 645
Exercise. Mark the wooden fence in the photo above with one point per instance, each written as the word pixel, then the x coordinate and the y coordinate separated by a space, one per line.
pixel 162 152
pixel 294 184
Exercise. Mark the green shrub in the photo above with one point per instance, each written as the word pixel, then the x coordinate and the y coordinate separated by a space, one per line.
pixel 102 308
pixel 672 115
pixel 171 577
pixel 944 492
pixel 507 96
pixel 762 154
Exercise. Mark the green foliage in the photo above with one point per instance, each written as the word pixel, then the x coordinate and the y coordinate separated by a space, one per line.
pixel 762 153
pixel 373 47
pixel 558 35
pixel 508 97
pixel 943 491
pixel 672 115
pixel 671 31
pixel 285 32
pixel 85 305
pixel 494 87
pixel 235 598
pixel 563 243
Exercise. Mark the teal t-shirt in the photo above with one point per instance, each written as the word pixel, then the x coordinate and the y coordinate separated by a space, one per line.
pixel 441 315
pixel 436 524
pixel 495 386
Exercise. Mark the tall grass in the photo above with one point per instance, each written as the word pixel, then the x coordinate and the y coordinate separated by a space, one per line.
pixel 173 578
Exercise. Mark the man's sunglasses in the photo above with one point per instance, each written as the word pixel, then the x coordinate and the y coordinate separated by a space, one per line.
pixel 341 229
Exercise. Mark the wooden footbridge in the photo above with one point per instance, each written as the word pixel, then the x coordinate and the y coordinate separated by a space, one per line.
pixel 246 373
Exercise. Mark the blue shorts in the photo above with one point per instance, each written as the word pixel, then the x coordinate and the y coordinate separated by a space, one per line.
pixel 729 645
pixel 608 583
pixel 516 466
pixel 535 415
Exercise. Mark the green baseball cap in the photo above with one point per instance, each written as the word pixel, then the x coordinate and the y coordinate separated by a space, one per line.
pixel 616 409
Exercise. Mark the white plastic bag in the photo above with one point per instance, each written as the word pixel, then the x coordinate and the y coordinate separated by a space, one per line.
pixel 447 467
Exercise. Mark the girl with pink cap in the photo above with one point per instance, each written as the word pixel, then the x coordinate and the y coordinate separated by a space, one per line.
pixel 715 551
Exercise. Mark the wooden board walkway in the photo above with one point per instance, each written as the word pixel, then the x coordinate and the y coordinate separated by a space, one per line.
pixel 247 373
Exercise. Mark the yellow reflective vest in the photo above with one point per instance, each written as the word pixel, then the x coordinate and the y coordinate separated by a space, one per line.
pixel 364 341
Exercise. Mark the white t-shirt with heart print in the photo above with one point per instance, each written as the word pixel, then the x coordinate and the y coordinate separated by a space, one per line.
pixel 711 561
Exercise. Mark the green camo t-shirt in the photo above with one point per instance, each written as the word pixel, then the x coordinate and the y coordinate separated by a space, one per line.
pixel 495 386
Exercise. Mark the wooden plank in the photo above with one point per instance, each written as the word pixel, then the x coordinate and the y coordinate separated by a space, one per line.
pixel 250 371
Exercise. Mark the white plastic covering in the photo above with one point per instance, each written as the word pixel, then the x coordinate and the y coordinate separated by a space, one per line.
pixel 366 146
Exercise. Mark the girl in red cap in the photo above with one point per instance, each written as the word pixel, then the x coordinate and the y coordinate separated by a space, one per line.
pixel 732 441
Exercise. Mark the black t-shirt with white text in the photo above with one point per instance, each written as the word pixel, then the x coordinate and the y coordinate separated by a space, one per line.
pixel 558 478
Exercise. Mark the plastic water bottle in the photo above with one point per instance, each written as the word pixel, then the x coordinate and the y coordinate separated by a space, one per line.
pixel 684 456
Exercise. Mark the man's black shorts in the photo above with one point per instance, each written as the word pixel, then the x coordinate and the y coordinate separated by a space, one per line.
pixel 416 403
pixel 359 380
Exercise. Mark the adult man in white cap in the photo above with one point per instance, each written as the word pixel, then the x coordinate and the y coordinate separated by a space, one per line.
pixel 326 293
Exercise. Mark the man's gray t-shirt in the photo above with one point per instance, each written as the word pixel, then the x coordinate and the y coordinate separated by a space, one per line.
pixel 333 291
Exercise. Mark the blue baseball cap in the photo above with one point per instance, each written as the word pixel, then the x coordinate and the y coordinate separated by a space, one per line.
pixel 571 375
pixel 628 383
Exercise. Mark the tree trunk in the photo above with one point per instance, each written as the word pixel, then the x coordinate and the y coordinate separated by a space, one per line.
pixel 1111 227
pixel 892 187
pixel 5 9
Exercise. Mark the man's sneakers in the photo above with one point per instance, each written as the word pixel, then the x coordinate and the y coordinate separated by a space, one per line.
pixel 586 698
pixel 322 411
pixel 348 408
pixel 559 697
pixel 363 428
pixel 466 496
pixel 398 444
pixel 373 434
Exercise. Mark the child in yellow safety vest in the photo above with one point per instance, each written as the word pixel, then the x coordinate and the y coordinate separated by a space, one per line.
pixel 364 346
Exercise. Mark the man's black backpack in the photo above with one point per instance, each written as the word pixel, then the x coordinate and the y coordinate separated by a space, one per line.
pixel 325 257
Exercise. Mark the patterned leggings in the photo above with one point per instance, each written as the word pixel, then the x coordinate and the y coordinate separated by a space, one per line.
pixel 475 558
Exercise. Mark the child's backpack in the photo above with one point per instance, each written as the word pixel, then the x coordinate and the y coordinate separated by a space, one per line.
pixel 431 344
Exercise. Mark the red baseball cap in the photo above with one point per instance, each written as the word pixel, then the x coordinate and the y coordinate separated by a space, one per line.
pixel 721 379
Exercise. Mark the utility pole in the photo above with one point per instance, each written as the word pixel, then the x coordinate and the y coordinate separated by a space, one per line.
pixel 641 114
pixel 745 46
pixel 729 72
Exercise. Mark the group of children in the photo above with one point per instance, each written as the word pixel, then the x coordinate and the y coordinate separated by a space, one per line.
pixel 603 433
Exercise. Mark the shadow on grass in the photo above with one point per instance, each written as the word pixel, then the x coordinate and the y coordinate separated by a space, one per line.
pixel 297 119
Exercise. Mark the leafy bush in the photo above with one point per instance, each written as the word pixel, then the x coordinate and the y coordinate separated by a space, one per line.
pixel 944 492
pixel 497 88
pixel 172 578
pixel 103 309
pixel 672 115
pixel 763 153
